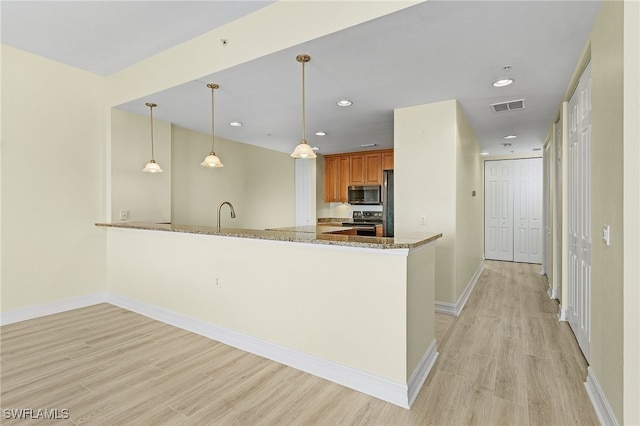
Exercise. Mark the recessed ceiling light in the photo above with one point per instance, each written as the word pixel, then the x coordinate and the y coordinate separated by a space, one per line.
pixel 315 148
pixel 506 145
pixel 235 124
pixel 510 137
pixel 484 153
pixel 503 82
pixel 321 133
pixel 345 103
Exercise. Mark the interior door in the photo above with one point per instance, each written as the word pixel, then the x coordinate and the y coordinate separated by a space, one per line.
pixel 527 210
pixel 498 233
pixel 548 244
pixel 579 223
pixel 559 208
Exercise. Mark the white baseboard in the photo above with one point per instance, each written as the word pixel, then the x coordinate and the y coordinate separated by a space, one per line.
pixel 400 394
pixel 421 372
pixel 454 309
pixel 379 387
pixel 32 312
pixel 553 293
pixel 599 401
pixel 562 314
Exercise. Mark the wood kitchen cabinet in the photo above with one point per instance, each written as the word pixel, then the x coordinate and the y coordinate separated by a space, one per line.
pixel 336 178
pixel 373 169
pixel 387 159
pixel 356 168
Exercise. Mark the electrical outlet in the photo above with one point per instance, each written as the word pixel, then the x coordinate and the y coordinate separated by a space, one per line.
pixel 422 220
pixel 218 282
pixel 124 214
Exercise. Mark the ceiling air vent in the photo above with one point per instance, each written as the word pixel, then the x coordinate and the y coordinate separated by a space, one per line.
pixel 508 106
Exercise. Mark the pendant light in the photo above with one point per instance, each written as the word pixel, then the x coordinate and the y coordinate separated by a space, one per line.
pixel 152 166
pixel 212 159
pixel 303 150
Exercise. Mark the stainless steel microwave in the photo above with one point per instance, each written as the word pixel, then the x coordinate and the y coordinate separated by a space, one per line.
pixel 364 194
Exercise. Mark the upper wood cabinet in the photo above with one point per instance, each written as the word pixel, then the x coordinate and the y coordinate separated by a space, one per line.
pixel 387 160
pixel 373 169
pixel 356 168
pixel 336 177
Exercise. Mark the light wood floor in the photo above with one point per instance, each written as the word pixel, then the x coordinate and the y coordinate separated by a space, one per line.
pixel 506 360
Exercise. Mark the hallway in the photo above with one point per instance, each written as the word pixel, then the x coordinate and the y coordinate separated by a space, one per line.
pixel 505 360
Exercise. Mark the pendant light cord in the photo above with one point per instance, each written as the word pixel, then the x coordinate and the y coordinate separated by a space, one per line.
pixel 212 132
pixel 304 128
pixel 152 158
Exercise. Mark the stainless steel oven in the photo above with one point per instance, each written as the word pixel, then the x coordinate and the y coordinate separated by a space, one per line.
pixel 365 223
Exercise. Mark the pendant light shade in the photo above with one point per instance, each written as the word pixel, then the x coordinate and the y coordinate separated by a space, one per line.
pixel 303 150
pixel 152 166
pixel 212 160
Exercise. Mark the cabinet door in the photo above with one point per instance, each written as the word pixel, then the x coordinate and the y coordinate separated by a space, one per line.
pixel 373 169
pixel 342 182
pixel 331 170
pixel 387 160
pixel 357 169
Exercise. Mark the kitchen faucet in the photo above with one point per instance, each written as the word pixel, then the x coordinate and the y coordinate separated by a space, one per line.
pixel 233 212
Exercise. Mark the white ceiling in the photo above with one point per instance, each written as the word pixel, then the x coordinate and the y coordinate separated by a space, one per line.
pixel 434 51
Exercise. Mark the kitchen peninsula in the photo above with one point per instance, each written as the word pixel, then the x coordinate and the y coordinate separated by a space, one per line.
pixel 355 310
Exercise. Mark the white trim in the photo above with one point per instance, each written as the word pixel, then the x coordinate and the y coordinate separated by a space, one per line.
pixel 38 311
pixel 421 372
pixel 562 314
pixel 553 293
pixel 361 381
pixel 455 309
pixel 396 393
pixel 599 400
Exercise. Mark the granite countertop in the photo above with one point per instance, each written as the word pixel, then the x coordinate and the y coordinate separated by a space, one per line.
pixel 320 234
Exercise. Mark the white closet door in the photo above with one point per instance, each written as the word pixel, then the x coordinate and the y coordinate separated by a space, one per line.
pixel 535 236
pixel 547 259
pixel 527 210
pixel 558 210
pixel 579 224
pixel 521 211
pixel 498 210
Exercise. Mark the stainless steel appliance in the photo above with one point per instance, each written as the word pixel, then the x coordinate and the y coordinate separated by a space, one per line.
pixel 369 194
pixel 387 203
pixel 365 223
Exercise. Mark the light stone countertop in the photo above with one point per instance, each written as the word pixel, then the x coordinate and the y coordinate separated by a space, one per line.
pixel 303 234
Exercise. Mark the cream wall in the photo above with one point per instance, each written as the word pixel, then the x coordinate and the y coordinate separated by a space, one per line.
pixel 631 212
pixel 258 182
pixel 53 186
pixel 264 284
pixel 146 196
pixel 437 165
pixel 606 348
pixel 425 182
pixel 469 208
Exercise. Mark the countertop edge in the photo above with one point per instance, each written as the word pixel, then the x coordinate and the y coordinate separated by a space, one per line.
pixel 384 243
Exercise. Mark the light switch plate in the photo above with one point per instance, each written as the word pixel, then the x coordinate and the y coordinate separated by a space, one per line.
pixel 124 214
pixel 606 234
